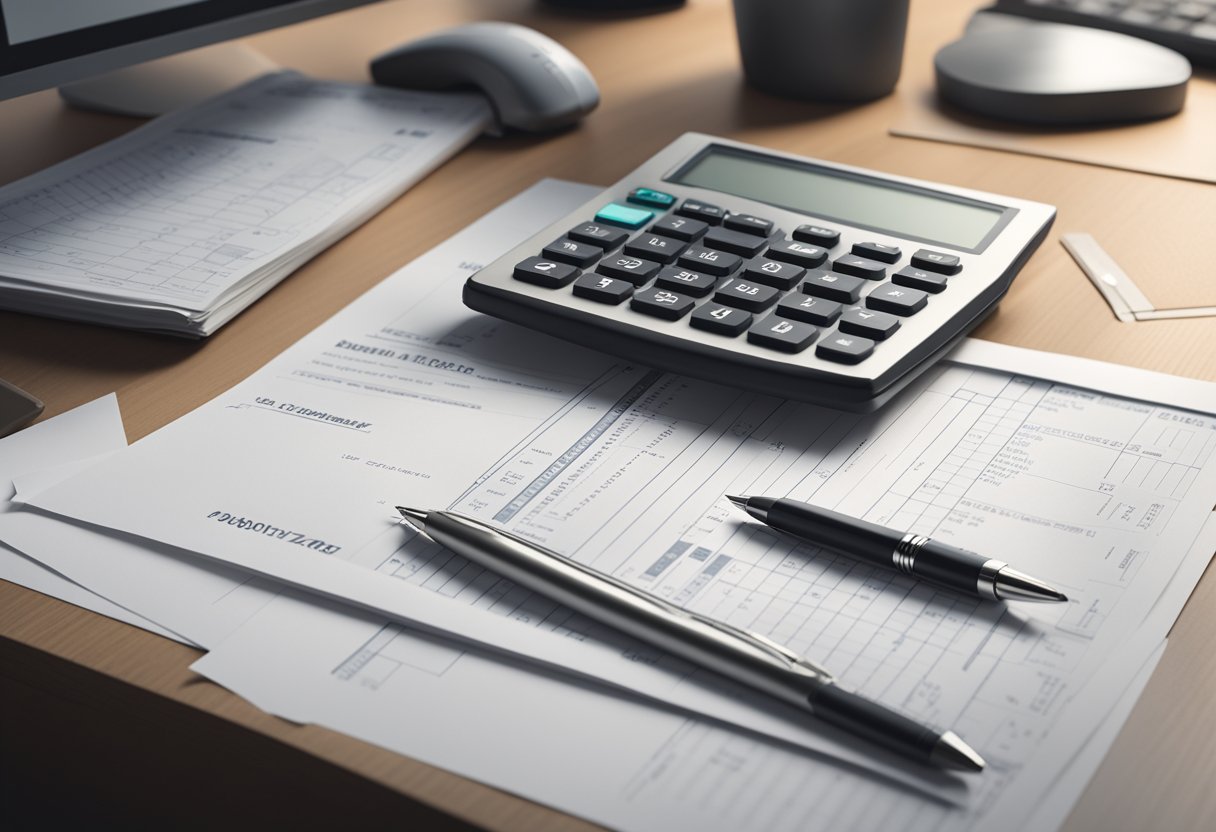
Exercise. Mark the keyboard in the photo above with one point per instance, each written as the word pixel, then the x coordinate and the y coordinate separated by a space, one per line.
pixel 1186 26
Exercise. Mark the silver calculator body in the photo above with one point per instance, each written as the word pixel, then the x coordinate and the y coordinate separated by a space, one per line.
pixel 768 271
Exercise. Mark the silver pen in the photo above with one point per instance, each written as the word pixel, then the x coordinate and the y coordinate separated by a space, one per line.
pixel 914 554
pixel 742 656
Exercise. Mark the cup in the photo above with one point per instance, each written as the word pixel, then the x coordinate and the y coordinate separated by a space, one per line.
pixel 822 50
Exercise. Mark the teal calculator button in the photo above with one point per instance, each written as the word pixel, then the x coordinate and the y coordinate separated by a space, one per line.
pixel 624 215
pixel 656 199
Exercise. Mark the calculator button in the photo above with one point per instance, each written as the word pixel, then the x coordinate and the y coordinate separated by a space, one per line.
pixel 917 279
pixel 897 300
pixel 845 349
pixel 692 283
pixel 576 254
pixel 703 211
pixel 749 224
pixel 720 319
pixel 654 247
pixel 871 324
pixel 936 261
pixel 623 215
pixel 831 286
pixel 801 254
pixel 681 228
pixel 810 309
pixel 735 242
pixel 662 304
pixel 778 333
pixel 773 273
pixel 817 234
pixel 859 267
pixel 718 263
pixel 541 272
pixel 754 297
pixel 653 198
pixel 877 251
pixel 604 236
pixel 634 269
pixel 602 288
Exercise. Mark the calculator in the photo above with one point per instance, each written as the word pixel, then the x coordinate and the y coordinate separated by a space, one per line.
pixel 768 271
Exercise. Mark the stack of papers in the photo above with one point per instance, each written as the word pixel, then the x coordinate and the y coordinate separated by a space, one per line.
pixel 1098 478
pixel 179 225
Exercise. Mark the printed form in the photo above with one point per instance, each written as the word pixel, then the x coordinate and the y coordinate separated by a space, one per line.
pixel 406 397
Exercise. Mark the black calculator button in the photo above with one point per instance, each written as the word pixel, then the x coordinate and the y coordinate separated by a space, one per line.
pixel 773 273
pixel 717 263
pixel 917 279
pixel 634 269
pixel 723 320
pixel 576 254
pixel 749 224
pixel 936 261
pixel 697 284
pixel 867 322
pixel 736 242
pixel 653 247
pixel 779 333
pixel 703 211
pixel 838 287
pixel 604 236
pixel 859 267
pixel 602 288
pixel 898 300
pixel 651 198
pixel 810 309
pixel 662 303
pixel 754 297
pixel 845 349
pixel 681 228
pixel 548 273
pixel 801 254
pixel 877 251
pixel 816 234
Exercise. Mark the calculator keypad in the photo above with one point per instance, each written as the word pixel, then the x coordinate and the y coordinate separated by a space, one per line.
pixel 735 273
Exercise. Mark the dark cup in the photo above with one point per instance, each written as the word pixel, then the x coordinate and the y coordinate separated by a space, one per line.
pixel 822 50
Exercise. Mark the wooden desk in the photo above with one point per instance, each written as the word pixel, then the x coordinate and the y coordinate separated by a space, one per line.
pixel 97 709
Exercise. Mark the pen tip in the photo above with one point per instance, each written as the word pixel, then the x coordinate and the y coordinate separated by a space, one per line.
pixel 741 502
pixel 951 752
pixel 413 515
pixel 1012 585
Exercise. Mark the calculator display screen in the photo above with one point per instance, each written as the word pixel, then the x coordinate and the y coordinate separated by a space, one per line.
pixel 846 197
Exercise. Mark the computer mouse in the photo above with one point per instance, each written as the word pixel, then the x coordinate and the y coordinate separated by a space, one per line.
pixel 1024 70
pixel 533 82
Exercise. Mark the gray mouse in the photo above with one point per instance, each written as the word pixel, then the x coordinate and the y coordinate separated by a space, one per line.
pixel 533 82
pixel 1019 69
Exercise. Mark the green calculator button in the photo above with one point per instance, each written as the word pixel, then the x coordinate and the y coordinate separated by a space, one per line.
pixel 624 215
pixel 655 199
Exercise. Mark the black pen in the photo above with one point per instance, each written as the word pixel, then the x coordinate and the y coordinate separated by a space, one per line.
pixel 745 657
pixel 917 555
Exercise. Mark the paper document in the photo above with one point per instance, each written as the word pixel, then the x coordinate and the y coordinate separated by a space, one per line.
pixel 85 432
pixel 180 224
pixel 407 397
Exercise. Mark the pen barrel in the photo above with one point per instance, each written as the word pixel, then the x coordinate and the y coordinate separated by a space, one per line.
pixel 916 555
pixel 873 722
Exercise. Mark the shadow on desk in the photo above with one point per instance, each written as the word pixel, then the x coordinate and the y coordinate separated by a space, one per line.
pixel 94 753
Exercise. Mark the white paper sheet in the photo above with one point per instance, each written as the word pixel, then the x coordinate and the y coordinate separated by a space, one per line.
pixel 408 397
pixel 88 430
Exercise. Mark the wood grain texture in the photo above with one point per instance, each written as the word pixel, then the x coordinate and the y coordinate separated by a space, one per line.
pixel 661 75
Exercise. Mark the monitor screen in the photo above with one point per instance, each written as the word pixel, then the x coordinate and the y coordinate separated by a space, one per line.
pixel 45 44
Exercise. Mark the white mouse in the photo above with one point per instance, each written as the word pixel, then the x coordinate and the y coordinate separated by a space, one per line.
pixel 533 82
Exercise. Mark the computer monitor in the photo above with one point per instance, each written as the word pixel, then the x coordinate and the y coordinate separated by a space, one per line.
pixel 45 44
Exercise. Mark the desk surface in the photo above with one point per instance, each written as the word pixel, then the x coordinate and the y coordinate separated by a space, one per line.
pixel 1159 773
